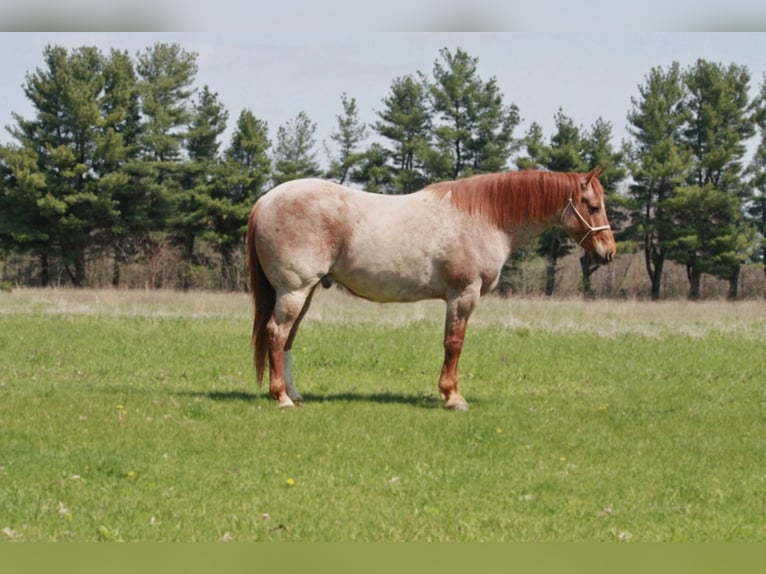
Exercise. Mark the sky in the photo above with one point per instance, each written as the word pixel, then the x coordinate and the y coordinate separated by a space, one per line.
pixel 277 74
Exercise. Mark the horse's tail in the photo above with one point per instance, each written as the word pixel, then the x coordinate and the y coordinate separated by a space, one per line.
pixel 264 299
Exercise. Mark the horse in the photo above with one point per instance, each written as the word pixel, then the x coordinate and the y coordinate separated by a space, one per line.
pixel 447 241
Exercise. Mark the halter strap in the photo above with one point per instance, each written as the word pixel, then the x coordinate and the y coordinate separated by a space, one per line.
pixel 591 229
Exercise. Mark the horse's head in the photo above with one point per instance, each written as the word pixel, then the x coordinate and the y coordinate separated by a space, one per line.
pixel 584 219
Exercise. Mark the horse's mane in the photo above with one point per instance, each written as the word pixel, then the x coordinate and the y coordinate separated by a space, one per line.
pixel 511 197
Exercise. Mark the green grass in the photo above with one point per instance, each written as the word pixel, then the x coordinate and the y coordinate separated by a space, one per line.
pixel 136 417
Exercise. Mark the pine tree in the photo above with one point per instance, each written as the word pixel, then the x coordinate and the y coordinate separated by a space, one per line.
pixel 247 169
pixel 249 166
pixel 203 173
pixel 117 149
pixel 70 147
pixel 658 163
pixel 294 155
pixel 472 126
pixel 536 148
pixel 348 136
pixel 23 227
pixel 374 171
pixel 166 75
pixel 710 236
pixel 405 122
pixel 755 200
pixel 718 124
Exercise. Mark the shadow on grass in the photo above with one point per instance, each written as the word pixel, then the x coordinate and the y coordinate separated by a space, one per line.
pixel 225 396
pixel 421 401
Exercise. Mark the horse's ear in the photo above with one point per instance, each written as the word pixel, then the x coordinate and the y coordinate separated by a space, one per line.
pixel 595 172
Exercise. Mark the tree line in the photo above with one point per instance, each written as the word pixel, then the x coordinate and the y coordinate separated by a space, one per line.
pixel 123 158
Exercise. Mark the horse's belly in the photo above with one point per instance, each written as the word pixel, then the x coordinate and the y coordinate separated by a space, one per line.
pixel 390 280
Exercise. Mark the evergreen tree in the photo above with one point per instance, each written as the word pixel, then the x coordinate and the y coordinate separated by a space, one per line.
pixel 405 122
pixel 718 125
pixel 23 226
pixel 294 155
pixel 536 148
pixel 476 127
pixel 167 73
pixel 658 163
pixel 755 201
pixel 350 133
pixel 116 151
pixel 203 174
pixel 249 166
pixel 710 234
pixel 65 137
pixel 374 172
pixel 247 169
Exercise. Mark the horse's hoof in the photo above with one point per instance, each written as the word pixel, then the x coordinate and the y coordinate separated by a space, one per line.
pixel 456 403
pixel 460 407
pixel 286 403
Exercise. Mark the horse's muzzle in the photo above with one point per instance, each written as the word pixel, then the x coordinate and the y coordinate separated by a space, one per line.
pixel 603 259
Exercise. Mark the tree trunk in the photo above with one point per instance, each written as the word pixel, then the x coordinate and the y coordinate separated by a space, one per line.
pixel 77 277
pixel 79 270
pixel 227 275
pixel 45 270
pixel 188 262
pixel 694 275
pixel 550 276
pixel 551 258
pixel 116 270
pixel 586 263
pixel 733 285
pixel 655 261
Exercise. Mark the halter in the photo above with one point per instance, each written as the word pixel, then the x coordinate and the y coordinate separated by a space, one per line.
pixel 591 229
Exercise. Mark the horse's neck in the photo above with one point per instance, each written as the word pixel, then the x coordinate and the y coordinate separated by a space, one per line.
pixel 541 201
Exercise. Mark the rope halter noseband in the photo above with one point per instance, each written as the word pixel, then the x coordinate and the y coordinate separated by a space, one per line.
pixel 591 229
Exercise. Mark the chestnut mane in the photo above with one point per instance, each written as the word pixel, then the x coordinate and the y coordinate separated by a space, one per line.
pixel 511 197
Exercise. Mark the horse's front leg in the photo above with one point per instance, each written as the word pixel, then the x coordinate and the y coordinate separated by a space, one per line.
pixel 459 308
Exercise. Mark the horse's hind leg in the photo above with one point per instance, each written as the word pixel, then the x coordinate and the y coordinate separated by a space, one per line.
pixel 287 312
pixel 292 392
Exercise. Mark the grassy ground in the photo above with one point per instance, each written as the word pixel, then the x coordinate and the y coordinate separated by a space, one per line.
pixel 135 416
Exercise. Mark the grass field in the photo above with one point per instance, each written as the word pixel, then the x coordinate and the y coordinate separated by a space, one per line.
pixel 135 416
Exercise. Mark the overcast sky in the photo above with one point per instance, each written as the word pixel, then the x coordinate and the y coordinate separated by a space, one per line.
pixel 277 75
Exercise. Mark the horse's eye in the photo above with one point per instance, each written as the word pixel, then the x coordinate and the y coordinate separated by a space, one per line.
pixel 594 209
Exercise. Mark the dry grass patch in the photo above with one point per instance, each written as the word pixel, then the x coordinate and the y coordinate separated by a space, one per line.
pixel 605 318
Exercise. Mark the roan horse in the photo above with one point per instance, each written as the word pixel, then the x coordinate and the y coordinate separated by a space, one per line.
pixel 448 241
